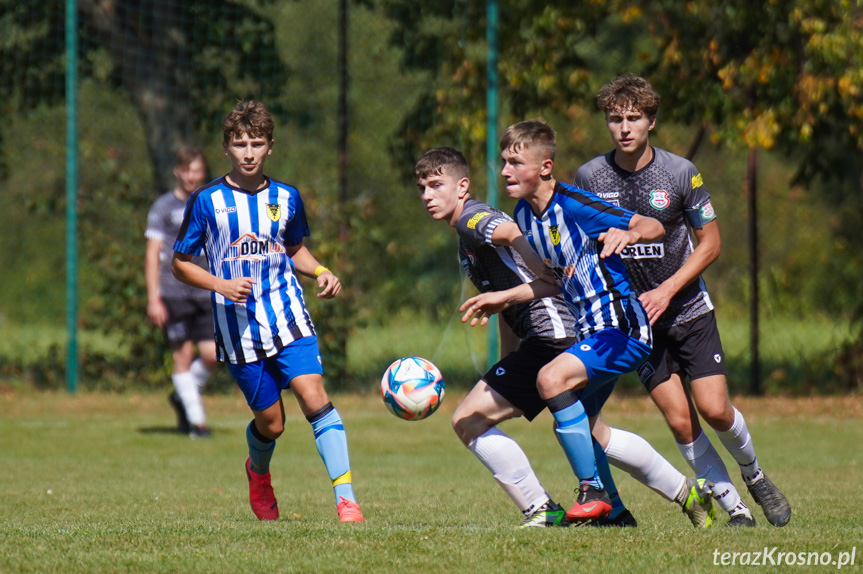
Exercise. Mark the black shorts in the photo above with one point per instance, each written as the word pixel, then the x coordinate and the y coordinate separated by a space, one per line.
pixel 188 320
pixel 514 376
pixel 692 348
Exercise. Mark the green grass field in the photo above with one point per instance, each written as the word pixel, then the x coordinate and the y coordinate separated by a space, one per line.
pixel 101 483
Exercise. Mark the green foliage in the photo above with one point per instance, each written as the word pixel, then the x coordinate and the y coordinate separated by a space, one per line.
pixel 417 80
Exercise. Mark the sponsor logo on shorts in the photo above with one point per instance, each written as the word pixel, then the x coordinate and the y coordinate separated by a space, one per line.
pixel 645 372
pixel 554 234
pixel 697 181
pixel 717 357
pixel 585 347
pixel 471 224
pixel 500 371
pixel 659 199
pixel 274 211
pixel 644 251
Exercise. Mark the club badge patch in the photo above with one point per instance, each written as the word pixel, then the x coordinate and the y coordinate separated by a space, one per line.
pixel 274 211
pixel 554 233
pixel 659 199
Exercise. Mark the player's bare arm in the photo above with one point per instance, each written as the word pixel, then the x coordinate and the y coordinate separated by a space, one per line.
pixel 185 270
pixel 508 233
pixel 156 309
pixel 641 230
pixel 656 301
pixel 305 263
pixel 480 307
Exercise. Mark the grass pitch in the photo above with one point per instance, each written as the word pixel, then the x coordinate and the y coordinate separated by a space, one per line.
pixel 101 483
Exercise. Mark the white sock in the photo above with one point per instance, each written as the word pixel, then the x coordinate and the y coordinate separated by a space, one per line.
pixel 634 455
pixel 511 469
pixel 738 442
pixel 706 463
pixel 190 395
pixel 200 372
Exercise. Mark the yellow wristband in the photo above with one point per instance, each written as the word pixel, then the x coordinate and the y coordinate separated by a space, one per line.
pixel 321 269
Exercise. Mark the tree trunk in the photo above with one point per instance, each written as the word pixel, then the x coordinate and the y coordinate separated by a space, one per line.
pixel 149 48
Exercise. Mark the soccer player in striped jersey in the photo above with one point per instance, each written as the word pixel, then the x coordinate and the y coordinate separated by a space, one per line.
pixel 667 277
pixel 496 256
pixel 580 237
pixel 252 228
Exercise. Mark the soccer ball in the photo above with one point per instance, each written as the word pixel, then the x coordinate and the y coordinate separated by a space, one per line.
pixel 412 388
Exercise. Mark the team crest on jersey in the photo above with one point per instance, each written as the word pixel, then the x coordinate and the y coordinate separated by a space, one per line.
pixel 274 211
pixel 659 199
pixel 554 233
pixel 471 224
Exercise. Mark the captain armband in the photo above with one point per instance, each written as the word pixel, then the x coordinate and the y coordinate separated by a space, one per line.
pixel 700 215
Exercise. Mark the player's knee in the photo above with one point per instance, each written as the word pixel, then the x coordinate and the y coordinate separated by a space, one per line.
pixel 719 417
pixel 469 427
pixel 549 384
pixel 684 429
pixel 272 429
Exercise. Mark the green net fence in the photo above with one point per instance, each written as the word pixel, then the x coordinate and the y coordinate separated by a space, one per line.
pixel 155 75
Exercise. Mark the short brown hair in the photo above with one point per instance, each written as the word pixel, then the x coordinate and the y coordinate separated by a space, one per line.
pixel 530 134
pixel 187 154
pixel 436 161
pixel 628 91
pixel 249 117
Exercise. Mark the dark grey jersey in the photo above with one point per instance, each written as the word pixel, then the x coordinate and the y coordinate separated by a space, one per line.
pixel 671 190
pixel 163 224
pixel 496 268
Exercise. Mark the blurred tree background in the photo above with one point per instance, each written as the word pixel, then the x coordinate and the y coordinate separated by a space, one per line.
pixel 782 77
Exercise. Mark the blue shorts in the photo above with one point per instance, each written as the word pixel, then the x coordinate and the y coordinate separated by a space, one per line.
pixel 606 355
pixel 262 381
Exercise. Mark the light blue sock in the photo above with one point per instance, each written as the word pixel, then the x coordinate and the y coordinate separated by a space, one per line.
pixel 573 432
pixel 332 445
pixel 617 505
pixel 260 449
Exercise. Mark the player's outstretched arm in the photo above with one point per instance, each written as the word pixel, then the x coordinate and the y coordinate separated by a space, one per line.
pixel 509 234
pixel 641 230
pixel 185 270
pixel 479 308
pixel 305 263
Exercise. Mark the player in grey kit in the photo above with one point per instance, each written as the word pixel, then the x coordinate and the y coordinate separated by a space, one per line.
pixel 183 312
pixel 667 276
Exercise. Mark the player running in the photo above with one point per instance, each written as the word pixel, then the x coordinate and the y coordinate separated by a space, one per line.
pixel 182 312
pixel 252 229
pixel 667 276
pixel 580 237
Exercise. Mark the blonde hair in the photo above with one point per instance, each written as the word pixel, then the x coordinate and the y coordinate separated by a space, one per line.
pixel 530 134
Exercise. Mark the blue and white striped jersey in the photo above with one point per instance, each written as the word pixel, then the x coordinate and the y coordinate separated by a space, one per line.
pixel 244 235
pixel 565 236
